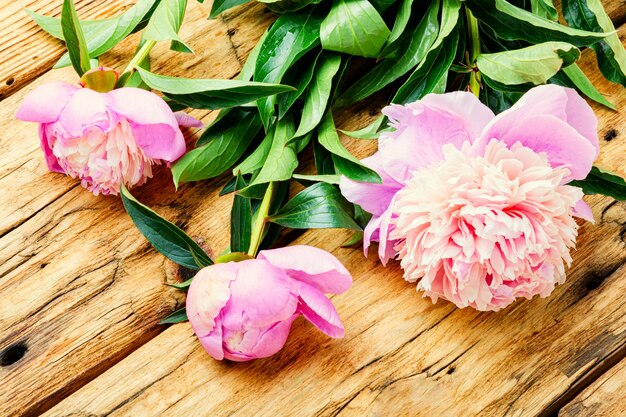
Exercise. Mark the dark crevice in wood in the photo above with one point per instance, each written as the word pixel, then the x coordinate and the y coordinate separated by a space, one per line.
pixel 584 380
pixel 13 353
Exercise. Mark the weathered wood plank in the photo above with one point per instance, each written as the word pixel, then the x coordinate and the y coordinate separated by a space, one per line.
pixel 604 398
pixel 80 285
pixel 26 51
pixel 402 355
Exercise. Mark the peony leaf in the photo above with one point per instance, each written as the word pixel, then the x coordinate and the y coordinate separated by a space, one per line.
pixel 102 34
pixel 74 38
pixel 164 236
pixel 312 179
pixel 299 76
pixel 576 78
pixel 544 8
pixel 390 70
pixel 165 24
pixel 514 23
pixel 284 6
pixel 535 64
pixel 178 316
pixel 315 207
pixel 354 27
pixel 210 94
pixel 318 94
pixel 220 6
pixel 240 219
pixel 590 15
pixel 289 38
pixel 603 182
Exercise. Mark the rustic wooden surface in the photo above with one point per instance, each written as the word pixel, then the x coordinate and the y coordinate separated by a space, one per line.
pixel 82 291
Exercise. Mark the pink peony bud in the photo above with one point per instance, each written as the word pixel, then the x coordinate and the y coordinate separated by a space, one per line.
pixel 477 206
pixel 104 139
pixel 244 310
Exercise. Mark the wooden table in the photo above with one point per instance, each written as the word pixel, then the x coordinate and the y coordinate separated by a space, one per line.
pixel 81 291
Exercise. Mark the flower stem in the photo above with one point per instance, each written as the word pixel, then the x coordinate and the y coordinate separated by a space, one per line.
pixel 261 220
pixel 474 51
pixel 140 55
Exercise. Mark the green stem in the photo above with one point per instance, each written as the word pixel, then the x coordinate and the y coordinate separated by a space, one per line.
pixel 474 50
pixel 261 221
pixel 141 54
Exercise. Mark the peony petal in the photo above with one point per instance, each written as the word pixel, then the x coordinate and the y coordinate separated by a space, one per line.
pixel 560 102
pixel 208 294
pixel 212 342
pixel 465 106
pixel 373 198
pixel 46 147
pixel 154 125
pixel 45 103
pixel 319 310
pixel 86 109
pixel 310 265
pixel 273 339
pixel 262 295
pixel 562 143
pixel 421 131
pixel 583 211
pixel 186 120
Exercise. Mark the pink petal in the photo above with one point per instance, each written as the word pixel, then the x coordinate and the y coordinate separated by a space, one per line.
pixel 311 265
pixel 262 295
pixel 378 230
pixel 465 106
pixel 45 103
pixel 373 198
pixel 208 294
pixel 46 146
pixel 563 144
pixel 319 310
pixel 154 125
pixel 421 131
pixel 267 344
pixel 582 210
pixel 212 342
pixel 86 109
pixel 186 120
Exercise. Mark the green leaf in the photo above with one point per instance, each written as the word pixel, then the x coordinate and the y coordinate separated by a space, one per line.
pixel 103 34
pixel 603 182
pixel 223 149
pixel 220 6
pixel 240 220
pixel 318 94
pixel 299 76
pixel 590 15
pixel 344 161
pixel 180 285
pixel 210 94
pixel 371 131
pixel 535 64
pixel 312 179
pixel 164 236
pixel 289 38
pixel 323 160
pixel 354 27
pixel 178 316
pixel 165 24
pixel 281 158
pixel 284 6
pixel 74 38
pixel 514 23
pixel 580 81
pixel 390 70
pixel 318 206
pixel 428 74
pixel 399 28
pixel 255 160
pixel 544 8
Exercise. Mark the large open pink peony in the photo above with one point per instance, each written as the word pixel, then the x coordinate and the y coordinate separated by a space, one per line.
pixel 104 139
pixel 475 205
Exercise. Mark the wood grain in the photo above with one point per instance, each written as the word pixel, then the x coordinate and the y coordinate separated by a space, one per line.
pixel 83 290
pixel 402 355
pixel 604 398
pixel 81 287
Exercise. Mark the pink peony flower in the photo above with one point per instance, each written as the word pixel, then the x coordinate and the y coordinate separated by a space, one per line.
pixel 104 139
pixel 244 310
pixel 474 205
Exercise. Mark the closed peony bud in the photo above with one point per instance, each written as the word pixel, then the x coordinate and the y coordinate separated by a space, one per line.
pixel 244 310
pixel 104 139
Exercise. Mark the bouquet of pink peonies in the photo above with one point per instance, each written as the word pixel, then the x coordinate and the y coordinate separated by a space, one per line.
pixel 484 152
